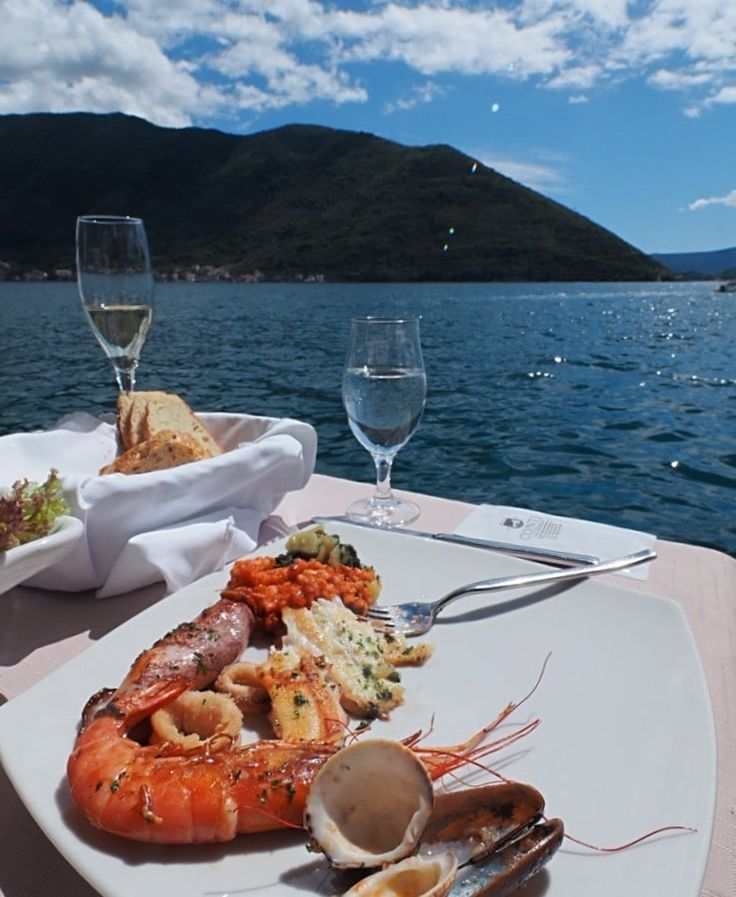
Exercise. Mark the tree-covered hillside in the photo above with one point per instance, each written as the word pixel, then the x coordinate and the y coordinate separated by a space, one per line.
pixel 290 202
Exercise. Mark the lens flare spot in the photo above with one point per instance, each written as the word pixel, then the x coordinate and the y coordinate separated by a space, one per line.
pixel 451 231
pixel 445 247
pixel 474 168
pixel 495 107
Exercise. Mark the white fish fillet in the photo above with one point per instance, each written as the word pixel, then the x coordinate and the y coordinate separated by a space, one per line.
pixel 363 660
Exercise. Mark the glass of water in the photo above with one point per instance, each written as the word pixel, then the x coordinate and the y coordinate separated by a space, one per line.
pixel 116 286
pixel 383 389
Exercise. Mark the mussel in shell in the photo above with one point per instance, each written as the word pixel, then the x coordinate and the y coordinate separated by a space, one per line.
pixel 372 806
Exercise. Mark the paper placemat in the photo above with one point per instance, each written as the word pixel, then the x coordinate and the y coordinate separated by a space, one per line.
pixel 534 529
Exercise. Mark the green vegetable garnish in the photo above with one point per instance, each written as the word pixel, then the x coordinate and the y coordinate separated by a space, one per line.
pixel 30 511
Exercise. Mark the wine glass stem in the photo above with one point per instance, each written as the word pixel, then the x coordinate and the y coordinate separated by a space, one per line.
pixel 383 475
pixel 125 378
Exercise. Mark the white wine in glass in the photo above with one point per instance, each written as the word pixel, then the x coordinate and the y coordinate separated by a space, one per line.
pixel 384 388
pixel 116 286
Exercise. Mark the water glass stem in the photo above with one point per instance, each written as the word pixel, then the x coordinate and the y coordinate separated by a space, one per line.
pixel 383 475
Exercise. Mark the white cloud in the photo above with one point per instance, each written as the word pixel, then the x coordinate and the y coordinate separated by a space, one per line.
pixel 696 38
pixel 58 57
pixel 666 79
pixel 728 200
pixel 581 76
pixel 178 61
pixel 419 95
pixel 537 175
pixel 726 95
pixel 449 38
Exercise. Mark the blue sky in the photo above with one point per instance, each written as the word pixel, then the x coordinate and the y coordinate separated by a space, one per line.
pixel 623 111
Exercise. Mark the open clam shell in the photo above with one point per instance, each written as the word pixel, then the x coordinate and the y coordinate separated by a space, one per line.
pixel 369 805
pixel 414 877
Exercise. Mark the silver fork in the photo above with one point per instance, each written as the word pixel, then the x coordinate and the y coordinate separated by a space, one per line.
pixel 415 618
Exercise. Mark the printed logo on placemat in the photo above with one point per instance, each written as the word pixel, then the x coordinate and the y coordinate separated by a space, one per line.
pixel 535 528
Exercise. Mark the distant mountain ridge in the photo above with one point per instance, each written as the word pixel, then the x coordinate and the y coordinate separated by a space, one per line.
pixel 718 263
pixel 296 201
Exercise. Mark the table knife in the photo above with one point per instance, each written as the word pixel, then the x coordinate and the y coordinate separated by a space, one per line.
pixel 542 555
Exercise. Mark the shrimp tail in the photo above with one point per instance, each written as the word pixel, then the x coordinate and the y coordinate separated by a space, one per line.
pixel 136 707
pixel 132 707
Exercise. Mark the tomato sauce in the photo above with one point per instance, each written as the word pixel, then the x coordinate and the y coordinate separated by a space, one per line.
pixel 267 589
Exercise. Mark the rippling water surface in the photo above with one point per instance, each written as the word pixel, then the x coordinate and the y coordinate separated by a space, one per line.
pixel 613 402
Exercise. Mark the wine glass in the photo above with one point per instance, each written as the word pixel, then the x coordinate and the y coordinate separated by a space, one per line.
pixel 116 286
pixel 383 389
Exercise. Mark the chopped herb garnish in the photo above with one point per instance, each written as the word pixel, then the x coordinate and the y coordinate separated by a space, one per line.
pixel 115 784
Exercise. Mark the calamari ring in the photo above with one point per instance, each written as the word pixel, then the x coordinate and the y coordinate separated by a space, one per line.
pixel 243 684
pixel 196 717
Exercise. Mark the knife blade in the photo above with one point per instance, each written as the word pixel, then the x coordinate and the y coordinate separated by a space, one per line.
pixel 542 555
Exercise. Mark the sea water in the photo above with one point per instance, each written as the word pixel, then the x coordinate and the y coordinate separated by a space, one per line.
pixel 612 402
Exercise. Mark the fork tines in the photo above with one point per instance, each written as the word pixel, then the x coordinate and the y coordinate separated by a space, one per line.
pixel 381 622
pixel 378 613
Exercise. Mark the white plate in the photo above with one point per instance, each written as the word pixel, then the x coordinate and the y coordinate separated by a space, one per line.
pixel 626 741
pixel 19 564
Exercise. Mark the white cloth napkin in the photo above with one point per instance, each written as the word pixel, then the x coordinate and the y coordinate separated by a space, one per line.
pixel 173 525
pixel 533 529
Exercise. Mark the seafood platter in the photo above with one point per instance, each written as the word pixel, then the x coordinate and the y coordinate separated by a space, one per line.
pixel 254 733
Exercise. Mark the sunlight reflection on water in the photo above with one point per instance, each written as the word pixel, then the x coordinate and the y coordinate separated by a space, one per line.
pixel 613 402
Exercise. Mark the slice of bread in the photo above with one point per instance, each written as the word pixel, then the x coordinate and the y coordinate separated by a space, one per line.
pixel 141 415
pixel 125 412
pixel 168 448
pixel 136 432
pixel 166 411
pixel 132 411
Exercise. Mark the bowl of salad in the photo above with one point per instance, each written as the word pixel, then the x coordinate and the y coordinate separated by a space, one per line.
pixel 36 529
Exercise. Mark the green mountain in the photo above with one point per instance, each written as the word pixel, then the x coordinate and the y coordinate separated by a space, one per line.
pixel 290 202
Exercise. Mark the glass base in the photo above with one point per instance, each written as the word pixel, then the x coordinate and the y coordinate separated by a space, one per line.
pixel 383 512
